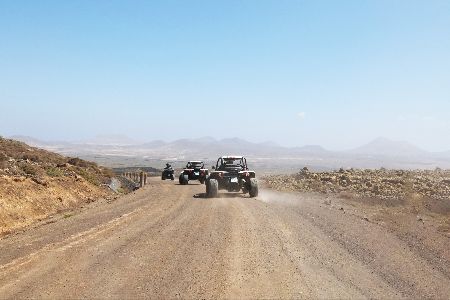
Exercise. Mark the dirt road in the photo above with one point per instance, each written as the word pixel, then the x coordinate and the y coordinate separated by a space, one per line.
pixel 166 241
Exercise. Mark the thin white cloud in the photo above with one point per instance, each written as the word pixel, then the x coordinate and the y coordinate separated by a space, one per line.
pixel 429 119
pixel 402 118
pixel 301 115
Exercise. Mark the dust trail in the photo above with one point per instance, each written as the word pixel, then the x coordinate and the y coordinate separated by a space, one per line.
pixel 270 196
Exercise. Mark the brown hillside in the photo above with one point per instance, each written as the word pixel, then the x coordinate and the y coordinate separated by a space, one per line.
pixel 35 183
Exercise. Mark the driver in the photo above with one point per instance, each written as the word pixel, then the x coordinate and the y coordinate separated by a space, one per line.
pixel 168 166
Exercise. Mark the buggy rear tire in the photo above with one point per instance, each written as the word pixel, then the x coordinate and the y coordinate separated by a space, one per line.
pixel 212 188
pixel 184 179
pixel 253 188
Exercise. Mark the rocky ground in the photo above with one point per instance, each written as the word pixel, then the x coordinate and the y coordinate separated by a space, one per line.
pixel 35 183
pixel 165 241
pixel 383 184
pixel 395 199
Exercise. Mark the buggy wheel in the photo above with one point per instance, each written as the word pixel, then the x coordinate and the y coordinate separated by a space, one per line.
pixel 212 188
pixel 253 187
pixel 181 179
pixel 184 179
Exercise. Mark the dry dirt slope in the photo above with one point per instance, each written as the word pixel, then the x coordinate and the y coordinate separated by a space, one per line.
pixel 35 183
pixel 166 241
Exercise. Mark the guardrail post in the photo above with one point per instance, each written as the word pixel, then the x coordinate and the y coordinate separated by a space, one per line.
pixel 141 179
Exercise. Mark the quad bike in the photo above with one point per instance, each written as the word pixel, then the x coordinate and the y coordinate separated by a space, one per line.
pixel 168 173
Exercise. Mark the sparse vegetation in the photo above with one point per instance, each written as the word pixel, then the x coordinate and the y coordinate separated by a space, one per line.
pixel 21 151
pixel 29 161
pixel 81 163
pixel 384 184
pixel 29 169
pixel 54 172
pixel 31 157
pixel 27 173
pixel 3 160
pixel 88 176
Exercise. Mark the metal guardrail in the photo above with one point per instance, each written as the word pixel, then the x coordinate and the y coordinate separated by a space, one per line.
pixel 137 177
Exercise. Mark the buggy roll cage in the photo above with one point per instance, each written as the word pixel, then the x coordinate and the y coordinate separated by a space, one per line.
pixel 242 164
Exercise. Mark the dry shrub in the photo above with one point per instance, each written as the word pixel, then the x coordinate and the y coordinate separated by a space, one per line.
pixel 3 160
pixel 107 172
pixel 54 172
pixel 31 157
pixel 75 161
pixel 18 150
pixel 34 162
pixel 89 176
pixel 29 169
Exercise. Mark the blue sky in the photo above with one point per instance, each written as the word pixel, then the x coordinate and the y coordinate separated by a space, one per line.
pixel 334 73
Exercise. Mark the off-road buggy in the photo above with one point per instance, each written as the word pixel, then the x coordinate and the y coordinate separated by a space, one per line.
pixel 195 170
pixel 231 173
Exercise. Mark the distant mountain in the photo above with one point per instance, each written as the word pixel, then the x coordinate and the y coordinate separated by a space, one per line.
pixel 269 144
pixel 387 147
pixel 36 142
pixel 380 152
pixel 312 149
pixel 205 140
pixel 28 140
pixel 114 140
pixel 210 147
pixel 153 144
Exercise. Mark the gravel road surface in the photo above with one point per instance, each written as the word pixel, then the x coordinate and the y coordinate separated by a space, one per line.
pixel 167 241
